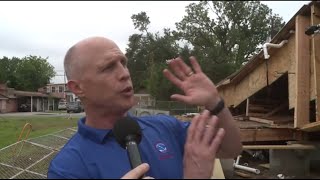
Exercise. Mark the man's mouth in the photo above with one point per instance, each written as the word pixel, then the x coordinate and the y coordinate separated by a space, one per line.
pixel 127 89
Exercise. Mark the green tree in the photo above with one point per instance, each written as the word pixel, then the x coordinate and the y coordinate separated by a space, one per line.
pixel 223 35
pixel 8 70
pixel 147 53
pixel 226 39
pixel 28 73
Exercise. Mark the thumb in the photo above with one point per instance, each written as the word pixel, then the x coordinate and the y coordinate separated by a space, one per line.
pixel 137 172
pixel 181 98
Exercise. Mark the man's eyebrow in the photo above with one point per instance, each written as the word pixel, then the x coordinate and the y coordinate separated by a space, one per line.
pixel 102 65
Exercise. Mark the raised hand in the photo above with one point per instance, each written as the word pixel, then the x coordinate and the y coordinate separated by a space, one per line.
pixel 197 87
pixel 202 144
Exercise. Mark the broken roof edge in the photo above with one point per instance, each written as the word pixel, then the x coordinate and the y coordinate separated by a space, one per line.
pixel 258 58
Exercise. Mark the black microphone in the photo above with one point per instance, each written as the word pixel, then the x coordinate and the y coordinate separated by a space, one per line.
pixel 128 134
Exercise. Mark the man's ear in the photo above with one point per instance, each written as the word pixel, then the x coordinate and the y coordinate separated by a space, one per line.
pixel 74 86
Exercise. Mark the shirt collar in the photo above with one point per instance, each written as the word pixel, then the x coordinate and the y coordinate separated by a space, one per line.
pixel 99 135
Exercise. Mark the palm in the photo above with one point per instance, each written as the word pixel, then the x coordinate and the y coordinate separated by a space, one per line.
pixel 198 88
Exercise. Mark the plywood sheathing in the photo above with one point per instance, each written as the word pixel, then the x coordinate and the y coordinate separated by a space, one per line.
pixel 302 49
pixel 315 60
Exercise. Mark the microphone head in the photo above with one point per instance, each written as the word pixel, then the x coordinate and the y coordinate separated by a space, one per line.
pixel 127 129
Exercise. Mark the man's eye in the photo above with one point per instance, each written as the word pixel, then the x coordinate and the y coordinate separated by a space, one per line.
pixel 124 64
pixel 107 68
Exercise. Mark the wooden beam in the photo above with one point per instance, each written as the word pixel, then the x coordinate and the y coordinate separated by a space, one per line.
pixel 243 175
pixel 217 170
pixel 247 107
pixel 312 127
pixel 294 146
pixel 275 110
pixel 315 55
pixel 258 109
pixel 241 118
pixel 256 114
pixel 254 135
pixel 301 113
pixel 267 166
pixel 260 120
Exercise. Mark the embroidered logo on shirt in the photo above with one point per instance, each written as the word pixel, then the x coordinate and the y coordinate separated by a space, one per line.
pixel 163 151
pixel 161 147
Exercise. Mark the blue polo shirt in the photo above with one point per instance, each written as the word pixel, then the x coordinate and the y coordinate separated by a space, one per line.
pixel 94 153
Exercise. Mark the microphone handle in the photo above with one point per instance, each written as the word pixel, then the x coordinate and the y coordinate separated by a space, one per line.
pixel 134 155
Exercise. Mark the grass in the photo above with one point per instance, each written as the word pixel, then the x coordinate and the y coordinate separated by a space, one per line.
pixel 11 127
pixel 61 111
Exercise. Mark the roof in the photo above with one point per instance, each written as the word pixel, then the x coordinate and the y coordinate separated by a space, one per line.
pixel 36 94
pixel 3 96
pixel 56 84
pixel 256 60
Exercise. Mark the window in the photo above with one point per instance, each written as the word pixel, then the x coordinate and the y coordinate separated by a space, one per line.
pixel 53 89
pixel 60 89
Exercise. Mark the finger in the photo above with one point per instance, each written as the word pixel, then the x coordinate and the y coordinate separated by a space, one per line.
pixel 172 78
pixel 137 172
pixel 195 64
pixel 211 129
pixel 201 125
pixel 175 67
pixel 181 98
pixel 148 177
pixel 217 140
pixel 184 67
pixel 192 128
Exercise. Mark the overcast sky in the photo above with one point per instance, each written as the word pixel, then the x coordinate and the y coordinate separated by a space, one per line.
pixel 48 29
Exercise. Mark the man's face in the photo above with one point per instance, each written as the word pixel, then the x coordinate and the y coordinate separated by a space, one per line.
pixel 106 80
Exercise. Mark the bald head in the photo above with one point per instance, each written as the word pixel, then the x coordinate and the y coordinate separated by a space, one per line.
pixel 82 52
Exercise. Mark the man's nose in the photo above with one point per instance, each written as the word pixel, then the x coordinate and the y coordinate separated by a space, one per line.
pixel 124 73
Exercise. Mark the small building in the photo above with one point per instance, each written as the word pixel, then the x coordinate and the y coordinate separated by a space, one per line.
pixel 144 100
pixel 12 100
pixel 59 90
pixel 8 102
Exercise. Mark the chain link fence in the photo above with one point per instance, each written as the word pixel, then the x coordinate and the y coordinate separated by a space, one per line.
pixel 30 159
pixel 174 107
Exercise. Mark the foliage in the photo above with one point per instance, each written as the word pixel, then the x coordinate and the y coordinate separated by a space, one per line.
pixel 28 73
pixel 222 35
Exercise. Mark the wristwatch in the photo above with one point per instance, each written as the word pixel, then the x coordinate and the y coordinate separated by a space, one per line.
pixel 219 107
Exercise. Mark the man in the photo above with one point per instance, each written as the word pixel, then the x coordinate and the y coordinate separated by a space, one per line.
pixel 97 73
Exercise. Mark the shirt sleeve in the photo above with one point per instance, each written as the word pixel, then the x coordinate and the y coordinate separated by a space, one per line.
pixel 67 165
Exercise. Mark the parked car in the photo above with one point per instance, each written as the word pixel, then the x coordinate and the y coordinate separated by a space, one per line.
pixel 75 106
pixel 62 105
pixel 24 108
